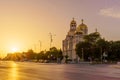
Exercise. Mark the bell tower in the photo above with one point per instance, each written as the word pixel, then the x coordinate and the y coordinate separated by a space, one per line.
pixel 73 25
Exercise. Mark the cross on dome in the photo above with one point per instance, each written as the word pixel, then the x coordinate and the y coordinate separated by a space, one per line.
pixel 73 18
pixel 96 30
pixel 82 21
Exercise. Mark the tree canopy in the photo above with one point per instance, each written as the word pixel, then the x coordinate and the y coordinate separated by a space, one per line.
pixel 50 55
pixel 94 46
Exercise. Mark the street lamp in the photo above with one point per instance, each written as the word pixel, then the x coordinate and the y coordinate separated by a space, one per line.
pixel 104 56
pixel 51 57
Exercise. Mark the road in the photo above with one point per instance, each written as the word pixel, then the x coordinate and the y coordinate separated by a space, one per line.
pixel 38 71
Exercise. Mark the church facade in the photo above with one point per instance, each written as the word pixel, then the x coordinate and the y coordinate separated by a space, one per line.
pixel 73 37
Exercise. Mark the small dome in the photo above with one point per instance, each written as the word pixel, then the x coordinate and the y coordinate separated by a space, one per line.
pixel 97 33
pixel 73 21
pixel 78 32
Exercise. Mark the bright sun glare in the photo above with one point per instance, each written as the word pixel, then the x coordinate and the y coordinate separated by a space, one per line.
pixel 14 49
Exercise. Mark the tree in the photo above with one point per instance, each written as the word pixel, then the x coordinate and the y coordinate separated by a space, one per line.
pixel 88 47
pixel 102 43
pixel 92 37
pixel 82 48
pixel 103 47
pixel 30 54
pixel 54 53
pixel 40 56
pixel 114 51
pixel 66 58
pixel 60 54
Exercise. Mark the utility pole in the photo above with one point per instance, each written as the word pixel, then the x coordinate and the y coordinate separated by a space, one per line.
pixel 51 39
pixel 40 44
pixel 34 47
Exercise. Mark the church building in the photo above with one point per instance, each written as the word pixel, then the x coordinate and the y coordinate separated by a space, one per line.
pixel 73 37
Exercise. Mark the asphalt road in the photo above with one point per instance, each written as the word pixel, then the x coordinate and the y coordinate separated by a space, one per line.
pixel 37 71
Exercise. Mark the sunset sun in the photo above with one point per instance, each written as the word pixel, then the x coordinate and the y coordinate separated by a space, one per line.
pixel 14 49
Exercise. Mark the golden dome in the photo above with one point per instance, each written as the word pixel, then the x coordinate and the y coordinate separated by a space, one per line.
pixel 78 29
pixel 73 21
pixel 81 28
pixel 82 25
pixel 78 32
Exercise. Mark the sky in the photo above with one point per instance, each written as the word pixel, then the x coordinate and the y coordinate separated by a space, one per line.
pixel 24 24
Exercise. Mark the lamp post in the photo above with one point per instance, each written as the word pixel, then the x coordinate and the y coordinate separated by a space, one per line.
pixel 101 54
pixel 82 54
pixel 51 57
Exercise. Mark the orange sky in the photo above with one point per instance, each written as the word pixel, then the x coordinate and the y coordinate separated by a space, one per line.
pixel 24 22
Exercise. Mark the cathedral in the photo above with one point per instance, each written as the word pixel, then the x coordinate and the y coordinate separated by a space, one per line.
pixel 73 37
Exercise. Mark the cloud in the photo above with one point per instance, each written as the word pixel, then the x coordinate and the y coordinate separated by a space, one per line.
pixel 110 12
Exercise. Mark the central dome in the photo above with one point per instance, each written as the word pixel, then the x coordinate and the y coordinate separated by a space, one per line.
pixel 82 28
